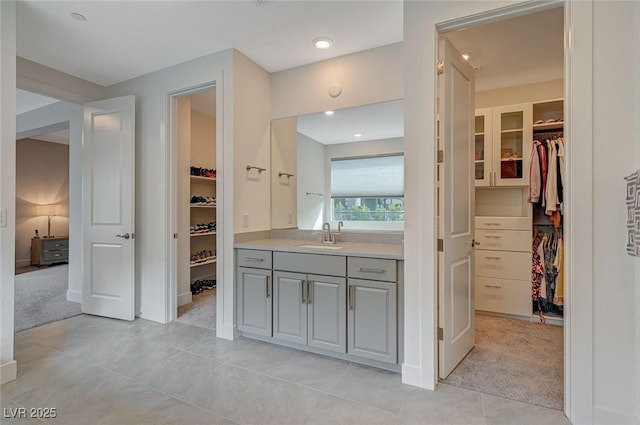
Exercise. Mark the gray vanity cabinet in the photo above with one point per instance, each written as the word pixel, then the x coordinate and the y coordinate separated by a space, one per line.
pixel 255 291
pixel 310 309
pixel 372 314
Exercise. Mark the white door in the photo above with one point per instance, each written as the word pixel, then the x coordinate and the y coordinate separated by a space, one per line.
pixel 456 285
pixel 108 208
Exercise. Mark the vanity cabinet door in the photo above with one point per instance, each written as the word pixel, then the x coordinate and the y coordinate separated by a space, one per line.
pixel 290 307
pixel 254 301
pixel 327 306
pixel 372 320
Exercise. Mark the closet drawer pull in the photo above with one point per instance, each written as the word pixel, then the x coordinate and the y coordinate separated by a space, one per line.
pixel 493 286
pixel 492 224
pixel 492 237
pixel 492 258
pixel 254 260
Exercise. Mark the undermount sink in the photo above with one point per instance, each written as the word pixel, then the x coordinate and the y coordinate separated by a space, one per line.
pixel 330 247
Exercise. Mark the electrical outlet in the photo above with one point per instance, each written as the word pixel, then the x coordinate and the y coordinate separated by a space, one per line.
pixel 245 220
pixel 3 217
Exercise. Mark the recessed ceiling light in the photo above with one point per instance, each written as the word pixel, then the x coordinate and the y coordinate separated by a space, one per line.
pixel 78 17
pixel 466 55
pixel 323 42
pixel 328 113
pixel 357 135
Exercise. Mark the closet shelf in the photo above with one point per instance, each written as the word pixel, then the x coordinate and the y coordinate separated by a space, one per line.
pixel 202 234
pixel 203 179
pixel 548 126
pixel 514 130
pixel 203 263
pixel 203 206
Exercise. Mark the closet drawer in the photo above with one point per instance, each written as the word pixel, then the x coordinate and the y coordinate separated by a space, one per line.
pixel 503 240
pixel 372 268
pixel 503 264
pixel 254 258
pixel 509 223
pixel 503 296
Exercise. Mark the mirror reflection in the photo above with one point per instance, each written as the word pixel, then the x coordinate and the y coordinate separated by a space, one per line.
pixel 344 165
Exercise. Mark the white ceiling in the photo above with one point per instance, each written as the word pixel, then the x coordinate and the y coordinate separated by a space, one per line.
pixel 61 136
pixel 204 102
pixel 27 101
pixel 375 122
pixel 121 40
pixel 523 50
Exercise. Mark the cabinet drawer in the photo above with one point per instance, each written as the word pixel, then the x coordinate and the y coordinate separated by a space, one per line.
pixel 503 264
pixel 504 240
pixel 254 258
pixel 372 268
pixel 510 223
pixel 503 296
pixel 58 255
pixel 49 244
pixel 332 265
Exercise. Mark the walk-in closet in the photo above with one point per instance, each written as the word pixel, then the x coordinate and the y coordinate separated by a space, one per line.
pixel 519 168
pixel 197 208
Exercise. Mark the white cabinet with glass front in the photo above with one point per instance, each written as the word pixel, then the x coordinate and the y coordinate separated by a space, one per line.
pixel 503 145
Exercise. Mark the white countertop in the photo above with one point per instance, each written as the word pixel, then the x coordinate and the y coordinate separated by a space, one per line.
pixel 372 250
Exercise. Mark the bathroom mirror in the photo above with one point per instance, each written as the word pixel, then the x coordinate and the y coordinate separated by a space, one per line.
pixel 343 165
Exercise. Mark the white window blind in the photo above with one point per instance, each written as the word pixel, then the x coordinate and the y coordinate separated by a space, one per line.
pixel 379 177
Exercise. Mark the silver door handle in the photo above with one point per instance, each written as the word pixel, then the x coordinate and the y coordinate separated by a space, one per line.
pixel 474 243
pixel 267 287
pixel 302 288
pixel 125 236
pixel 309 290
pixel 351 296
pixel 369 270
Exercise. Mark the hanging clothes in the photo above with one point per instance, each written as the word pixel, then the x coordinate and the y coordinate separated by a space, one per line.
pixel 552 179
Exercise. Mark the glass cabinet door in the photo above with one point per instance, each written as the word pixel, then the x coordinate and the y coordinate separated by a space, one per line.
pixel 483 136
pixel 513 145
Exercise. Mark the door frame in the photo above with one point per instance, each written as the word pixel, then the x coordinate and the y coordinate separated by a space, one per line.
pixel 172 197
pixel 578 93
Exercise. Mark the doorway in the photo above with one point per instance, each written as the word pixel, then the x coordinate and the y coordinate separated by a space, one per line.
pixel 194 118
pixel 517 293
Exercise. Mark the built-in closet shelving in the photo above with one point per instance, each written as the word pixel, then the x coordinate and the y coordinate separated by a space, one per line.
pixel 197 200
pixel 505 220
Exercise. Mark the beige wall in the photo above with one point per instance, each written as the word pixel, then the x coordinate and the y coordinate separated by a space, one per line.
pixel 284 153
pixel 42 177
pixel 537 92
pixel 203 140
pixel 370 76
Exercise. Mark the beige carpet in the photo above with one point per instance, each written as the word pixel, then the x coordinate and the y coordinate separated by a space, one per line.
pixel 514 359
pixel 201 311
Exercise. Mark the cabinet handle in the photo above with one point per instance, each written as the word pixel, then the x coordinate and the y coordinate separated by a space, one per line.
pixel 492 258
pixel 267 287
pixel 302 289
pixel 492 237
pixel 495 179
pixel 493 286
pixel 351 297
pixel 309 291
pixel 492 224
pixel 368 270
pixel 490 179
pixel 254 260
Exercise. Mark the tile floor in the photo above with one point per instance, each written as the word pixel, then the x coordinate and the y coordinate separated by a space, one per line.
pixel 102 371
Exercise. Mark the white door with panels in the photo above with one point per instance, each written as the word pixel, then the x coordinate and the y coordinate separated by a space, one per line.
pixel 457 193
pixel 108 208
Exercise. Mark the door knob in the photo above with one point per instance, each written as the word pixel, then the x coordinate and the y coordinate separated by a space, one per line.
pixel 474 243
pixel 125 236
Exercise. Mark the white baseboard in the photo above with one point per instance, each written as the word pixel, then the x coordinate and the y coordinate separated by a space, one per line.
pixel 153 314
pixel 412 375
pixel 8 372
pixel 74 296
pixel 23 263
pixel 185 298
pixel 608 417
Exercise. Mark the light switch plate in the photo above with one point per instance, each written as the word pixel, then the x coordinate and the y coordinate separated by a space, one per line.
pixel 3 217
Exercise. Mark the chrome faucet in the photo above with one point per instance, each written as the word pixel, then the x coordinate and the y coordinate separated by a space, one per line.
pixel 340 225
pixel 327 236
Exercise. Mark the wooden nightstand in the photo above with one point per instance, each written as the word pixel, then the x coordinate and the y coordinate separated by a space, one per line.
pixel 45 251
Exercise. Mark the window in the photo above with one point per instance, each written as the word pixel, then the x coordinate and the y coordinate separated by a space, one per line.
pixel 368 189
